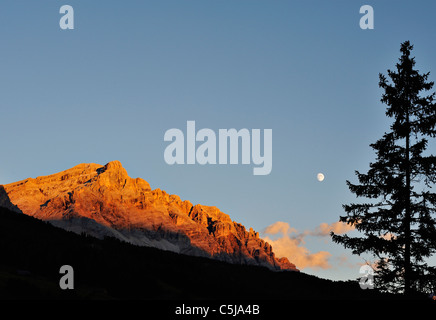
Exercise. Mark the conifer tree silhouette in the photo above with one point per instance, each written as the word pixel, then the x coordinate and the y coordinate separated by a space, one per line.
pixel 397 223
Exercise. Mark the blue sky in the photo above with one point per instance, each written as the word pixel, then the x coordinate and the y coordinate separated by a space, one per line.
pixel 130 70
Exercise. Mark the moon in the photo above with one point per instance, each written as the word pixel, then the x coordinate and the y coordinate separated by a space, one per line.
pixel 320 177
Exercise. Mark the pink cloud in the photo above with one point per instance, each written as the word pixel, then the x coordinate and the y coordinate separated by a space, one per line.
pixel 324 229
pixel 288 244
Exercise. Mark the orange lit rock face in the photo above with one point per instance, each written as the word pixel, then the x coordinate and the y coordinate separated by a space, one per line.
pixel 105 201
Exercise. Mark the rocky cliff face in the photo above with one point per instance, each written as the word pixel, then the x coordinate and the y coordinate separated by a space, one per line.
pixel 104 201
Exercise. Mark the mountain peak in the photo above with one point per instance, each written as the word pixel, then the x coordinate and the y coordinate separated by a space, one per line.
pixel 105 201
pixel 114 166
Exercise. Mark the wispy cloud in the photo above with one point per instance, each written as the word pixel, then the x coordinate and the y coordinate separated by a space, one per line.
pixel 279 227
pixel 324 229
pixel 287 241
pixel 289 244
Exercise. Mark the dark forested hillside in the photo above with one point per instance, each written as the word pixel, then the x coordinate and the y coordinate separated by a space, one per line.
pixel 32 252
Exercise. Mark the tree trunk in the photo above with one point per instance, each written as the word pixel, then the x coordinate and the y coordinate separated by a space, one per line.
pixel 407 218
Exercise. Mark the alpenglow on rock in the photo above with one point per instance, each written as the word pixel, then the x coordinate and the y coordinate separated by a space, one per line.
pixel 104 201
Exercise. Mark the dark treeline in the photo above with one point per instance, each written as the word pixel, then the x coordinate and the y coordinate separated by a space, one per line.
pixel 32 252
